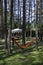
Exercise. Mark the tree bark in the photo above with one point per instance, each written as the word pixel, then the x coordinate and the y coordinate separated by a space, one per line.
pixel 1 19
pixel 2 23
pixel 5 26
pixel 40 20
pixel 11 17
pixel 36 24
pixel 18 15
pixel 24 23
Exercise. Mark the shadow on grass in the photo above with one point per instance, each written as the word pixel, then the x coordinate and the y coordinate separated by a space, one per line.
pixel 4 63
pixel 16 50
pixel 2 47
pixel 21 63
pixel 37 63
pixel 31 63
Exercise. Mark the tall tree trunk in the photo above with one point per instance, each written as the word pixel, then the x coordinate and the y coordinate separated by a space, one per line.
pixel 2 22
pixel 5 24
pixel 24 23
pixel 18 14
pixel 36 24
pixel 10 27
pixel 31 18
pixel 28 18
pixel 1 19
pixel 41 20
pixel 11 17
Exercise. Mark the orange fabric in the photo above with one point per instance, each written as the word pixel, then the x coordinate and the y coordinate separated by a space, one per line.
pixel 28 44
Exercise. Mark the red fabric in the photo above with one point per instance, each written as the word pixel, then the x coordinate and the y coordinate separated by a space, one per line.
pixel 28 44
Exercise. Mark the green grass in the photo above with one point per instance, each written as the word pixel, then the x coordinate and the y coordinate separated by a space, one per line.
pixel 21 59
pixel 29 56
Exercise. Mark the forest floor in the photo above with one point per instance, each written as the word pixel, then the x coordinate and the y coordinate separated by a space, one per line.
pixel 29 56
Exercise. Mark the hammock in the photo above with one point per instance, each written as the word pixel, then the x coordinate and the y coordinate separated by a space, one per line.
pixel 27 44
